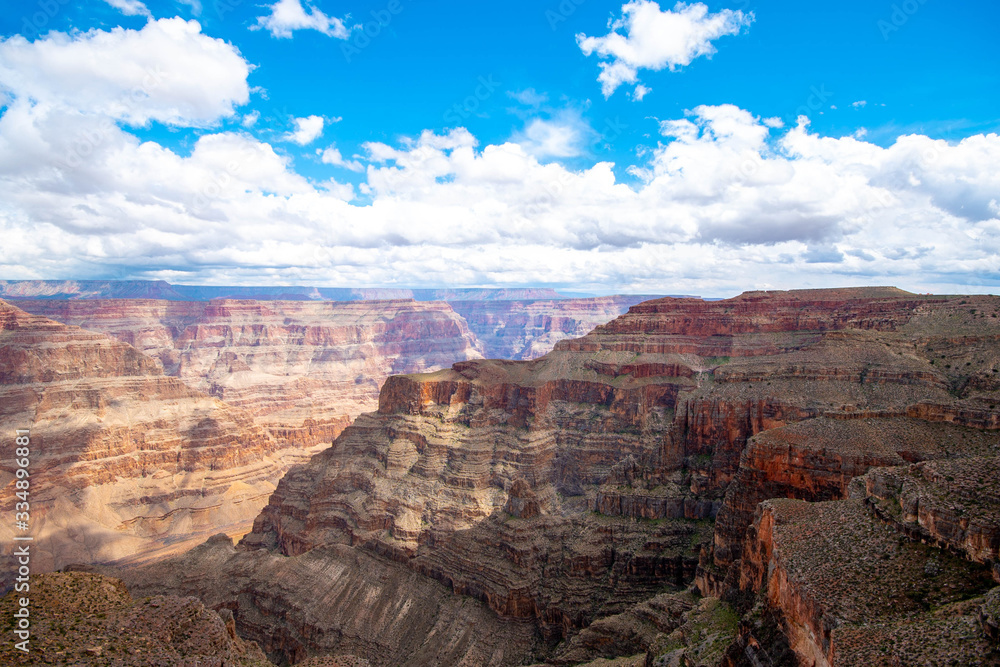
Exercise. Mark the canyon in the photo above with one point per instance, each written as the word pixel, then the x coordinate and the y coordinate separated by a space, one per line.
pixel 801 478
pixel 692 483
pixel 124 461
pixel 179 420
pixel 306 368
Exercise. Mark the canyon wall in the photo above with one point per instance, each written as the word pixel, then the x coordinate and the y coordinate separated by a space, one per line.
pixel 573 487
pixel 304 369
pixel 307 368
pixel 527 330
pixel 124 461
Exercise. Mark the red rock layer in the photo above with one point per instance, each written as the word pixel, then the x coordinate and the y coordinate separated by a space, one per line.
pixel 560 489
pixel 851 592
pixel 124 462
pixel 303 368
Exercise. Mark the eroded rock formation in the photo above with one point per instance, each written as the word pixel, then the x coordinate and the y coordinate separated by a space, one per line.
pixel 562 490
pixel 124 461
pixel 304 369
pixel 525 330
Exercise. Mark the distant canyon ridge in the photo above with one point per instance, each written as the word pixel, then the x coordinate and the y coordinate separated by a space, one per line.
pixel 163 414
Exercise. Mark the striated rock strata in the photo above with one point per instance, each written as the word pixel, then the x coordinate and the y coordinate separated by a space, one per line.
pixel 558 491
pixel 853 591
pixel 525 330
pixel 304 369
pixel 124 462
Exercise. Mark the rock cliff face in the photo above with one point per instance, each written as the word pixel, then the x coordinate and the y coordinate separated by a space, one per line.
pixel 575 486
pixel 525 330
pixel 124 462
pixel 852 590
pixel 304 369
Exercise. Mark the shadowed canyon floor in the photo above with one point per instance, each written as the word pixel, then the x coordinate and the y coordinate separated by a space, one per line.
pixel 566 503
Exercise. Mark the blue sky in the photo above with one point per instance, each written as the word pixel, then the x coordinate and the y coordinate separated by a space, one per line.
pixel 726 146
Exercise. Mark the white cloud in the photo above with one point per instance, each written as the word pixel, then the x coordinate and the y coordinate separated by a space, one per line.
pixel 250 119
pixel 332 156
pixel 529 97
pixel 130 7
pixel 307 130
pixel 640 92
pixel 647 38
pixel 289 15
pixel 860 104
pixel 724 195
pixel 168 72
pixel 552 138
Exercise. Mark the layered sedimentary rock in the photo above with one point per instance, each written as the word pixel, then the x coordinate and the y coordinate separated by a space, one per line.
pixel 816 460
pixel 124 462
pixel 561 490
pixel 340 601
pixel 953 504
pixel 527 330
pixel 303 368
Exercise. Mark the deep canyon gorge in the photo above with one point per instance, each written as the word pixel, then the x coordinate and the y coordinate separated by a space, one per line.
pixel 781 478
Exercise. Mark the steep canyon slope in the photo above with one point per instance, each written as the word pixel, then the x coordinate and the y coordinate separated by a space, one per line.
pixel 600 480
pixel 304 368
pixel 124 461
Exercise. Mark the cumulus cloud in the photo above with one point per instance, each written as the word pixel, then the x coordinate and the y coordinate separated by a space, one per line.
pixel 288 16
pixel 130 7
pixel 640 92
pixel 723 197
pixel 333 156
pixel 168 72
pixel 647 38
pixel 306 131
pixel 563 137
